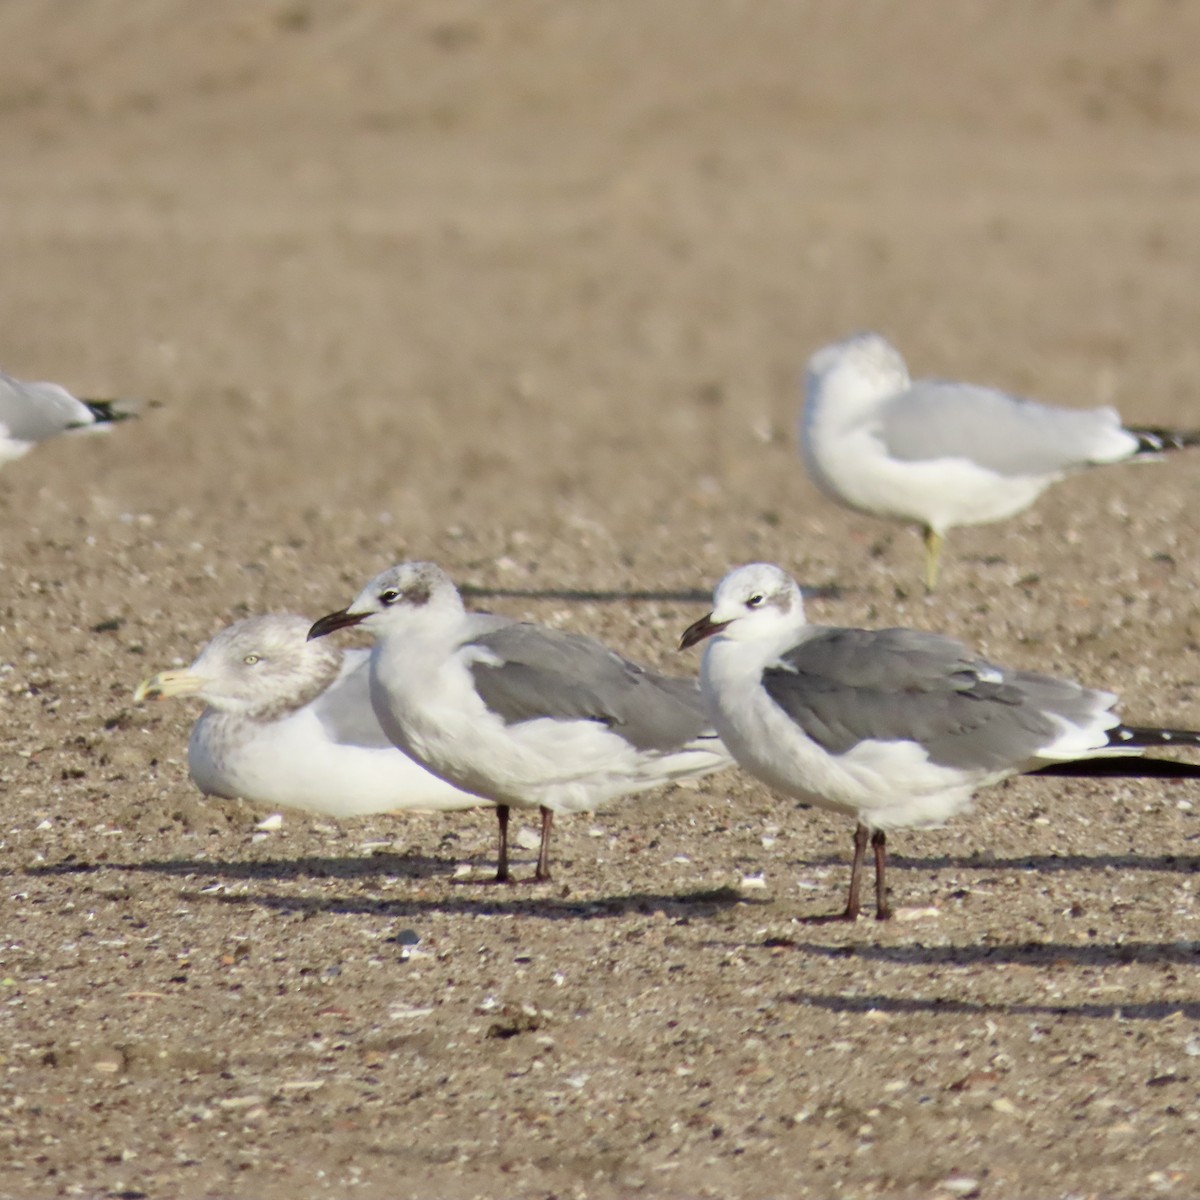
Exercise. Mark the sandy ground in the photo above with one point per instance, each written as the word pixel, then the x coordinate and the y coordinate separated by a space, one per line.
pixel 526 289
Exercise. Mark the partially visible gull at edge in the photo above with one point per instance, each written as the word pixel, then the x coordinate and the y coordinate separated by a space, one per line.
pixel 940 454
pixel 289 724
pixel 524 715
pixel 896 728
pixel 32 412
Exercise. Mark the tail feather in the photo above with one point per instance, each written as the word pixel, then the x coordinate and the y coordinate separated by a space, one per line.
pixel 1153 439
pixel 1124 767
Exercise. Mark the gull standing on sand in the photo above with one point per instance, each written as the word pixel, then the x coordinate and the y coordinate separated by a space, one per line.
pixel 895 727
pixel 941 454
pixel 289 724
pixel 32 412
pixel 523 715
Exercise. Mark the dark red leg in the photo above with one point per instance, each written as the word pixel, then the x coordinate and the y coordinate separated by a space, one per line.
pixel 502 853
pixel 883 910
pixel 861 834
pixel 543 864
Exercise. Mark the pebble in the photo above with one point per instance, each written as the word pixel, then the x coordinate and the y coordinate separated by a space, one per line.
pixel 916 914
pixel 961 1185
pixel 402 1013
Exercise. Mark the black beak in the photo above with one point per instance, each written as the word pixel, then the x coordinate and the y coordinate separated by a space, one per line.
pixel 337 620
pixel 699 630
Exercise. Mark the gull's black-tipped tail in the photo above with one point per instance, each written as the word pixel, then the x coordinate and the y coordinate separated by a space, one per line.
pixel 1153 440
pixel 106 412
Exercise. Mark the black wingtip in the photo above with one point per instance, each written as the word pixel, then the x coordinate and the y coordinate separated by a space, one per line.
pixel 1151 737
pixel 1153 439
pixel 1122 767
pixel 106 412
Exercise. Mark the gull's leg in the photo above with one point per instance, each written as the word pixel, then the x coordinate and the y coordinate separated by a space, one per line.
pixel 502 853
pixel 883 910
pixel 933 552
pixel 860 852
pixel 542 874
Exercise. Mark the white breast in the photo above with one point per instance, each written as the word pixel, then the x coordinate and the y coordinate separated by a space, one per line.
pixel 290 763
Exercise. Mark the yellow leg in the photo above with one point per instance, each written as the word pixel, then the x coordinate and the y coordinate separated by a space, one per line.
pixel 933 551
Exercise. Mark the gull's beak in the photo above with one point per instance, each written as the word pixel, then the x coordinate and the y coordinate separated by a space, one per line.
pixel 342 619
pixel 699 630
pixel 169 683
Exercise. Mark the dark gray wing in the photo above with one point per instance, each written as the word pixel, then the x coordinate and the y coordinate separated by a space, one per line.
pixel 845 686
pixel 1000 432
pixel 542 672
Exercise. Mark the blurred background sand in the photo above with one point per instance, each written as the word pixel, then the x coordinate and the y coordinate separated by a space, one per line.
pixel 527 288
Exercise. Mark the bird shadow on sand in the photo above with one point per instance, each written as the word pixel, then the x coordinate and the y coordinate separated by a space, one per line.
pixel 471 591
pixel 365 866
pixel 500 901
pixel 1147 1010
pixel 478 896
pixel 1048 955
pixel 1052 957
pixel 1048 863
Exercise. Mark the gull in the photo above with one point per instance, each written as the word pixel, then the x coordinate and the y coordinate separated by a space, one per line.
pixel 289 723
pixel 523 715
pixel 941 454
pixel 896 728
pixel 32 412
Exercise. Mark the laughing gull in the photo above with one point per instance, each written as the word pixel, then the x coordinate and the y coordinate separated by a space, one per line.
pixel 289 724
pixel 895 727
pixel 523 715
pixel 941 454
pixel 32 412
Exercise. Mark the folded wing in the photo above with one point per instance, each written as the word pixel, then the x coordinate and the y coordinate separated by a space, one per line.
pixel 526 672
pixel 847 686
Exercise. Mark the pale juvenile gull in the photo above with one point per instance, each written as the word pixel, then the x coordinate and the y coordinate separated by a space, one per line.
pixel 523 715
pixel 896 728
pixel 289 724
pixel 32 412
pixel 941 454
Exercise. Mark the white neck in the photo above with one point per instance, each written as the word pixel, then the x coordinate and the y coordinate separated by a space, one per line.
pixel 846 394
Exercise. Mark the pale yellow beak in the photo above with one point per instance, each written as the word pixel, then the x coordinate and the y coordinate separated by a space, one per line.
pixel 169 683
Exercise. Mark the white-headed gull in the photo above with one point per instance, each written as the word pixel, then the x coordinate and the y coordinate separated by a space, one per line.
pixel 896 728
pixel 941 454
pixel 289 724
pixel 523 715
pixel 32 412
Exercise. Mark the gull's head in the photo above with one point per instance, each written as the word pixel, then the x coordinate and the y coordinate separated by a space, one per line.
pixel 261 667
pixel 750 604
pixel 857 370
pixel 401 594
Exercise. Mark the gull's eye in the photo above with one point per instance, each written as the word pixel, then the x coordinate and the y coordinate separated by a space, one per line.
pixel 755 601
pixel 389 597
pixel 251 659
